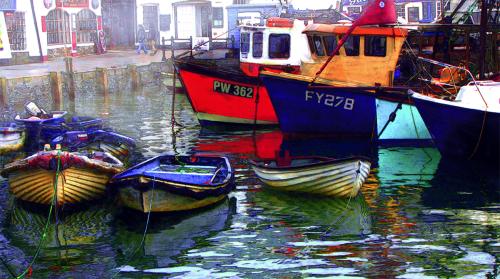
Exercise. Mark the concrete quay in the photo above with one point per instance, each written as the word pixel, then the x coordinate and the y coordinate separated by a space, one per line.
pixel 64 80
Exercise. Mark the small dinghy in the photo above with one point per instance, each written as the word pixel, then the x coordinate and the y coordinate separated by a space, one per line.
pixel 119 146
pixel 316 175
pixel 169 183
pixel 12 137
pixel 72 177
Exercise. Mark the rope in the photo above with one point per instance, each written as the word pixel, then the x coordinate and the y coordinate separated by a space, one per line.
pixel 480 134
pixel 44 234
pixel 145 228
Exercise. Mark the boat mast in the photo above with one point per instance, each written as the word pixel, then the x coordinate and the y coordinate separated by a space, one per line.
pixel 482 38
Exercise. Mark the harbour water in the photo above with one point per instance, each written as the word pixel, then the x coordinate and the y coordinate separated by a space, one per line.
pixel 419 215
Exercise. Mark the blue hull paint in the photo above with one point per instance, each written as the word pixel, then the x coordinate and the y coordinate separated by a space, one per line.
pixel 332 110
pixel 456 130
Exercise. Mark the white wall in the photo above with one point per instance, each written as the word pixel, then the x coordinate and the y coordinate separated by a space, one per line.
pixel 5 53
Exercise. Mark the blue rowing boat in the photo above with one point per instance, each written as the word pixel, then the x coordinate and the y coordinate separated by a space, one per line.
pixel 169 183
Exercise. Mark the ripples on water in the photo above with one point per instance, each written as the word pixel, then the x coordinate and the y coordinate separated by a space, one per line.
pixel 419 216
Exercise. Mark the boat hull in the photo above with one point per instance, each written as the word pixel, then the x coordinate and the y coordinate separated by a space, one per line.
pixel 407 125
pixel 226 97
pixel 67 178
pixel 349 111
pixel 460 131
pixel 11 142
pixel 175 183
pixel 158 200
pixel 339 178
pixel 73 185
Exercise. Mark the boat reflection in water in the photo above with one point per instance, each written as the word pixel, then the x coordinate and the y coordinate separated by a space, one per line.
pixel 168 236
pixel 74 241
pixel 463 184
pixel 331 216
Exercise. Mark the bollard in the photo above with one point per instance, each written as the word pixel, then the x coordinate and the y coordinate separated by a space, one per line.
pixel 191 46
pixel 71 80
pixel 102 81
pixel 172 47
pixel 3 92
pixel 134 77
pixel 56 89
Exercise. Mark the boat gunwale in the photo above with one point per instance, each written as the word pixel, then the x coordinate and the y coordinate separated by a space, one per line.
pixel 261 164
pixel 227 179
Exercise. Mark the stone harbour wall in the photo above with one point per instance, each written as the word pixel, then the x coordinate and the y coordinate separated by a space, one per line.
pixel 55 89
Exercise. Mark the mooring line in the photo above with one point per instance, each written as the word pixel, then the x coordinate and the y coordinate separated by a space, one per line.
pixel 44 234
pixel 145 227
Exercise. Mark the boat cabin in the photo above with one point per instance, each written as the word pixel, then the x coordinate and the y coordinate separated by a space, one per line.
pixel 278 46
pixel 368 57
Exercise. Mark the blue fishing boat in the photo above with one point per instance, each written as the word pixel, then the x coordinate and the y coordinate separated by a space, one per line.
pixel 169 183
pixel 468 124
pixel 346 88
pixel 12 137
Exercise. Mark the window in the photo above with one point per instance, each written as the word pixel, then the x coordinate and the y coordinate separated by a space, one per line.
pixel 318 46
pixel 400 10
pixel 245 42
pixel 150 18
pixel 413 14
pixel 330 44
pixel 58 27
pixel 279 46
pixel 353 10
pixel 351 46
pixel 86 26
pixel 16 30
pixel 438 10
pixel 218 17
pixel 257 44
pixel 165 22
pixel 375 46
pixel 240 1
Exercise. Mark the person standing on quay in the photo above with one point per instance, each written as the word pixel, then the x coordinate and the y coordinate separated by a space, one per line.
pixel 152 40
pixel 141 39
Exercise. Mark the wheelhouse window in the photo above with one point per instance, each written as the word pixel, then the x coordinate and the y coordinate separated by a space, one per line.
pixel 57 27
pixel 330 44
pixel 86 26
pixel 257 44
pixel 318 46
pixel 375 46
pixel 245 42
pixel 16 30
pixel 413 14
pixel 218 17
pixel 279 46
pixel 351 46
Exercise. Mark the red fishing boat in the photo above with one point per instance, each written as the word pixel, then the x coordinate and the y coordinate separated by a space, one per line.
pixel 229 91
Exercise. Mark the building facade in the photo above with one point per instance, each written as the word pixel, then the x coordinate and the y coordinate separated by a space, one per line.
pixel 49 28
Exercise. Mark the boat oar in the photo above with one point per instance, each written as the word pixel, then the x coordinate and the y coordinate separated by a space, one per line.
pixel 215 174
